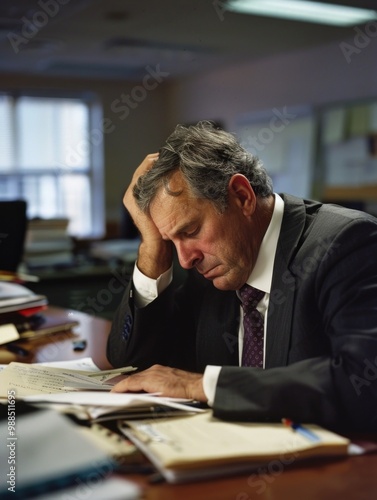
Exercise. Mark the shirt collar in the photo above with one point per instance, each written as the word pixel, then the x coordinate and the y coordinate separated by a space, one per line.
pixel 261 275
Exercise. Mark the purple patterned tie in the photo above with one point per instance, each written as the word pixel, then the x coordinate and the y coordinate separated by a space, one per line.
pixel 252 353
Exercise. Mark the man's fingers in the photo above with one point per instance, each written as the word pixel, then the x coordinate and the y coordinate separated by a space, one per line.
pixel 134 382
pixel 146 164
pixel 130 383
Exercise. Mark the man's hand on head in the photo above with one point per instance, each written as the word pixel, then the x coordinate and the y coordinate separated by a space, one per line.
pixel 155 254
pixel 170 382
pixel 141 220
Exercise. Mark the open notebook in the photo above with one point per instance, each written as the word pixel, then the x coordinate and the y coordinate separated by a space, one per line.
pixel 201 446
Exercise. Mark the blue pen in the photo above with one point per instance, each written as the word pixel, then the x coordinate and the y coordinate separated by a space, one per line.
pixel 304 431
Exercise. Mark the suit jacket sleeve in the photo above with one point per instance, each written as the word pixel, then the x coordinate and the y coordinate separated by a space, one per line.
pixel 156 333
pixel 335 303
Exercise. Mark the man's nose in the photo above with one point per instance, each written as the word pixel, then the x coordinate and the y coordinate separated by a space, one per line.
pixel 188 257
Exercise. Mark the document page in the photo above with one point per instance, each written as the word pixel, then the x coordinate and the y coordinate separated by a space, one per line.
pixel 34 379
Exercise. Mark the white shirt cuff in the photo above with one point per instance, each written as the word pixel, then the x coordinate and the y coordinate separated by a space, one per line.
pixel 211 374
pixel 147 289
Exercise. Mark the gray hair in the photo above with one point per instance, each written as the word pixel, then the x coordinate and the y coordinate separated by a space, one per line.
pixel 207 157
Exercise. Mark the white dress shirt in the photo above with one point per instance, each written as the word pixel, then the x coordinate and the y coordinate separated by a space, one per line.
pixel 147 289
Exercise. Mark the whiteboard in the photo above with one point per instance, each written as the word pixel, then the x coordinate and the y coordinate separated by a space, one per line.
pixel 284 139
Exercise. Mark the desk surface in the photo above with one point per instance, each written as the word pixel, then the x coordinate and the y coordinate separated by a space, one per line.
pixel 350 478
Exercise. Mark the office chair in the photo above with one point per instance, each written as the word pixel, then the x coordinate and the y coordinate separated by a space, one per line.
pixel 13 224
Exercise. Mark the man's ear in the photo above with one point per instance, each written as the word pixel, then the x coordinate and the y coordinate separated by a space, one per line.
pixel 242 194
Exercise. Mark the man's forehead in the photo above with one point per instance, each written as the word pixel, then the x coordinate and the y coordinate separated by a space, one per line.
pixel 175 207
pixel 172 201
pixel 173 214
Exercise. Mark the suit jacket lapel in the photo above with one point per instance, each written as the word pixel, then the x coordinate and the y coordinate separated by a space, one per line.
pixel 283 285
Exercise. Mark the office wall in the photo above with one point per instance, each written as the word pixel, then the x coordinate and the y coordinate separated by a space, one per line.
pixel 340 71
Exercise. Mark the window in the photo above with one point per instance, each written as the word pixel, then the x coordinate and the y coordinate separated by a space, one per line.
pixel 49 158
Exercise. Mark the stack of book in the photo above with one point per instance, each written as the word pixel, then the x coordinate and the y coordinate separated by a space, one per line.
pixel 19 311
pixel 17 298
pixel 24 315
pixel 48 243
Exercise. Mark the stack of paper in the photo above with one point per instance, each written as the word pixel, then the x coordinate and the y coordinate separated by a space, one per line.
pixel 85 393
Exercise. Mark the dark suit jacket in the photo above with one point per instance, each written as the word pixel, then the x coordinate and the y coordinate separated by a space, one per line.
pixel 321 350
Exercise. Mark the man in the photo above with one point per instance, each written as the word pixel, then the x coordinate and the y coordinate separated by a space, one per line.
pixel 210 200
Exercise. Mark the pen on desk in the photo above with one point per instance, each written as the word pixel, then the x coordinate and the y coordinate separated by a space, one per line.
pixel 17 349
pixel 135 469
pixel 156 478
pixel 300 429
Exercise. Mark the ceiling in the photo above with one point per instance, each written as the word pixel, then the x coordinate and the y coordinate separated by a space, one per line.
pixel 120 38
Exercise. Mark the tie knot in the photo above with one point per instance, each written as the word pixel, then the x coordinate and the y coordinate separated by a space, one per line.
pixel 250 297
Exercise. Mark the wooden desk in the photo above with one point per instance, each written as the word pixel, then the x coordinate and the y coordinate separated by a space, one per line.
pixel 346 479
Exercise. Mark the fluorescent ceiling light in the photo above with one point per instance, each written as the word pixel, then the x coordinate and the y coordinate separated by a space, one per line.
pixel 302 10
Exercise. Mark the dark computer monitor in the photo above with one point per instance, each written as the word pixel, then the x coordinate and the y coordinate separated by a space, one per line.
pixel 13 224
